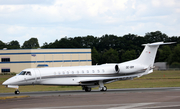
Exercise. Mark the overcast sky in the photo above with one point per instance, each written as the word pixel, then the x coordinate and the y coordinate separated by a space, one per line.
pixel 49 20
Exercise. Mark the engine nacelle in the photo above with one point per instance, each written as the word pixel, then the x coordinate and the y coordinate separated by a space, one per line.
pixel 129 68
pixel 117 69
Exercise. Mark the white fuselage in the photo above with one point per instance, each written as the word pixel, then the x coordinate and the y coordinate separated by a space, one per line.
pixel 74 75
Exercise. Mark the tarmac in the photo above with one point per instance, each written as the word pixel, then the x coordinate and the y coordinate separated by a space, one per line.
pixel 135 98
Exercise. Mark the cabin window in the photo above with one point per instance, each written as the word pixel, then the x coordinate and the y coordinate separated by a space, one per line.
pixel 98 71
pixel 87 71
pixel 77 72
pixel 82 71
pixel 93 71
pixel 127 67
pixel 103 70
pixel 59 73
pixel 63 73
pixel 28 73
pixel 72 72
pixel 67 72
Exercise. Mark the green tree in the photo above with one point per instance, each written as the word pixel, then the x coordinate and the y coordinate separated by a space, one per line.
pixel 175 56
pixel 175 65
pixel 120 45
pixel 129 41
pixel 156 36
pixel 164 54
pixel 95 56
pixel 31 43
pixel 2 45
pixel 128 55
pixel 89 41
pixel 65 43
pixel 107 42
pixel 78 42
pixel 110 56
pixel 45 45
pixel 13 45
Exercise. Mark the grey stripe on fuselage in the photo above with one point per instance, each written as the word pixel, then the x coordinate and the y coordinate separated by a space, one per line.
pixel 85 75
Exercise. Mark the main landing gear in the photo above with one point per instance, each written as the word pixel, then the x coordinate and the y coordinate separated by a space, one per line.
pixel 87 89
pixel 17 92
pixel 101 87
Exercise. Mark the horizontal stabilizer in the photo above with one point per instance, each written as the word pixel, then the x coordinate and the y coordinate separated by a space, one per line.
pixel 158 43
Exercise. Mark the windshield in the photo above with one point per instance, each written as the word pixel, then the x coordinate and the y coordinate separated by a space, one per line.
pixel 25 73
pixel 22 73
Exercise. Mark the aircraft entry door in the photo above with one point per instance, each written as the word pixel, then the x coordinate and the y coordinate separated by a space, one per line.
pixel 38 76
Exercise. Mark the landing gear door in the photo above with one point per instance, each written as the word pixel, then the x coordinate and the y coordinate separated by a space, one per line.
pixel 37 76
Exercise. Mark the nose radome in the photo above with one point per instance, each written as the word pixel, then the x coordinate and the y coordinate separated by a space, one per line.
pixel 4 83
pixel 7 82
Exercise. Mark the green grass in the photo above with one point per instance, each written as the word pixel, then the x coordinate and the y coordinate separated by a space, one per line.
pixel 155 79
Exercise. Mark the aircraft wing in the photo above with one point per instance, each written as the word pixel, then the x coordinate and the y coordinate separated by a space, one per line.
pixel 94 81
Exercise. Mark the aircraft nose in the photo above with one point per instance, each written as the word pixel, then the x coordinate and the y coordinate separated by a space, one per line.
pixel 5 82
pixel 8 82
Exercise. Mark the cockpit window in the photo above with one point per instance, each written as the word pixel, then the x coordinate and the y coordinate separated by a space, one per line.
pixel 22 73
pixel 25 73
pixel 28 73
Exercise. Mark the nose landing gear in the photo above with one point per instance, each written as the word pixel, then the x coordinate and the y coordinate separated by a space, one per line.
pixel 17 92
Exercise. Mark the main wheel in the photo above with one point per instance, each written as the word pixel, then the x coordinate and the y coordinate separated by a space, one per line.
pixel 17 92
pixel 103 88
pixel 87 89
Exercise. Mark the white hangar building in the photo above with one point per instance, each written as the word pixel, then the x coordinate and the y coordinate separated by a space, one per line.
pixel 16 60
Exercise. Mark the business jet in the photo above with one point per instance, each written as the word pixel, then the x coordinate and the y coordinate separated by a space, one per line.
pixel 88 76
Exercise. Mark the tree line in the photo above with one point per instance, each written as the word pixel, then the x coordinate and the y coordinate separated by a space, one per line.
pixel 111 48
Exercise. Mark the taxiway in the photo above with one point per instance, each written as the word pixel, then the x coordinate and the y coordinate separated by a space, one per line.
pixel 140 98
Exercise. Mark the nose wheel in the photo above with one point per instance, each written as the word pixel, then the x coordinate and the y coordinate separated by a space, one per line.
pixel 17 92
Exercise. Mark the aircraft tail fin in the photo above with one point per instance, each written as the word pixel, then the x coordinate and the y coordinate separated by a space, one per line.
pixel 148 55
